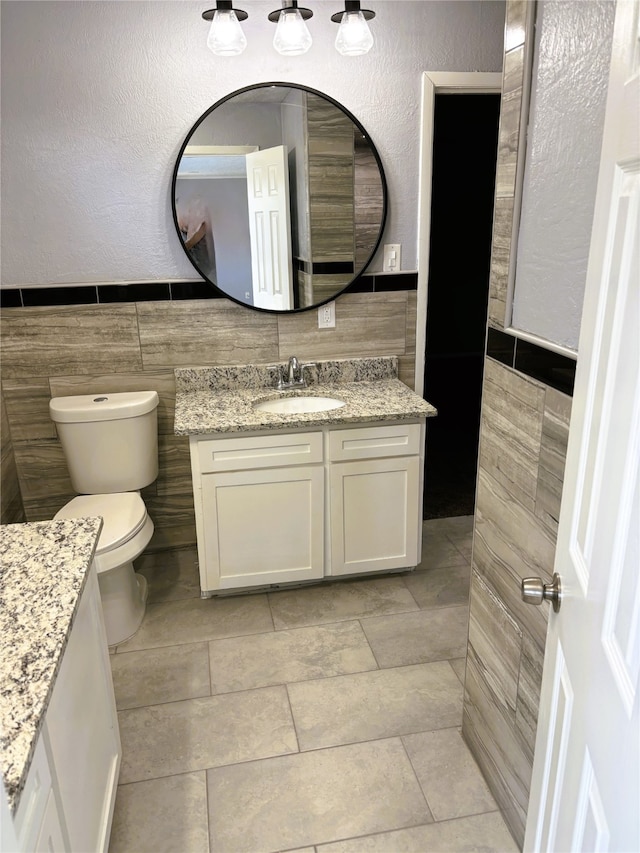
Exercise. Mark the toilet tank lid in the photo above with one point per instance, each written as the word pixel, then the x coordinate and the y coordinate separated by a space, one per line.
pixel 102 407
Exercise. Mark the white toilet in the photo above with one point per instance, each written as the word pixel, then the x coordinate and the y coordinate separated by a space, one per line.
pixel 110 442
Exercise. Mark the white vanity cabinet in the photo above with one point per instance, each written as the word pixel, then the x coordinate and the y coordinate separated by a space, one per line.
pixel 68 799
pixel 375 480
pixel 284 507
pixel 37 823
pixel 259 504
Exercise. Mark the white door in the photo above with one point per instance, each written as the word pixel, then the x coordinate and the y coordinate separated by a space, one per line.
pixel 270 228
pixel 585 792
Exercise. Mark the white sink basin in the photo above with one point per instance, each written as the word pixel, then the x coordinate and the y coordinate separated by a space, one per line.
pixel 298 405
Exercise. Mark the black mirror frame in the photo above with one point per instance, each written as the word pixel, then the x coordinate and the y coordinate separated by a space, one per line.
pixel 383 182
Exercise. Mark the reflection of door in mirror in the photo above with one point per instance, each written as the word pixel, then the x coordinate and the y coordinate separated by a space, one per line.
pixel 270 228
pixel 215 178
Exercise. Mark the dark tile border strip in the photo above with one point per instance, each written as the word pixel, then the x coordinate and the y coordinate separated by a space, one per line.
pixel 38 296
pixel 10 298
pixel 363 284
pixel 133 292
pixel 27 297
pixel 395 281
pixel 103 294
pixel 539 363
pixel 324 267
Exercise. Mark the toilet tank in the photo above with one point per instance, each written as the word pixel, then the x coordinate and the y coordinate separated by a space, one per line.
pixel 110 441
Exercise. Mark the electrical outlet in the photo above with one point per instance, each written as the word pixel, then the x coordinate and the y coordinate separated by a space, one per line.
pixel 327 316
pixel 247 295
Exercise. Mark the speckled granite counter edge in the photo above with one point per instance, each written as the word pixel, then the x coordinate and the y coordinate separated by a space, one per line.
pixel 225 412
pixel 43 572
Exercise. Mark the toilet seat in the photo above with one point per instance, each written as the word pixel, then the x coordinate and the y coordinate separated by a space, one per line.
pixel 124 515
pixel 126 532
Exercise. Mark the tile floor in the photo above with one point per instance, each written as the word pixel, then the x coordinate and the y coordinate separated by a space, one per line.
pixel 323 718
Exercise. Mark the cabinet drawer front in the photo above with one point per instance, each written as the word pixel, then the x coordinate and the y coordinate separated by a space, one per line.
pixel 374 442
pixel 269 451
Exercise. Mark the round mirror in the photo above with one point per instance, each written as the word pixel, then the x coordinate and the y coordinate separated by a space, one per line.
pixel 279 197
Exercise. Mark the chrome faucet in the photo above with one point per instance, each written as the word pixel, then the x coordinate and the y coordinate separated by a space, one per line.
pixel 292 376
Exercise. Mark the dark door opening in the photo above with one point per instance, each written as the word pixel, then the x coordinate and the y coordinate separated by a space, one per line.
pixel 464 164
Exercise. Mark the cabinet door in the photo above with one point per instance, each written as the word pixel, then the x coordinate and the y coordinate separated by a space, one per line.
pixel 50 838
pixel 262 527
pixel 375 510
pixel 82 728
pixel 37 806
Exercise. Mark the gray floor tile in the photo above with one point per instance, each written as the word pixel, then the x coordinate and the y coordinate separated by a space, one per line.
pixel 439 551
pixel 313 797
pixel 195 620
pixel 151 676
pixel 455 526
pixel 172 575
pixel 340 601
pixel 463 542
pixel 486 833
pixel 441 587
pixel 420 637
pixel 450 778
pixel 459 667
pixel 299 654
pixel 263 793
pixel 378 704
pixel 180 737
pixel 465 549
pixel 162 816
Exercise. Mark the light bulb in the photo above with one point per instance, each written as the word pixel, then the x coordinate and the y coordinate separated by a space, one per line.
pixel 292 34
pixel 354 36
pixel 225 36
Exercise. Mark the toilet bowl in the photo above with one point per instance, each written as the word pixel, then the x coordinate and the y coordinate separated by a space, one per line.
pixel 110 444
pixel 126 532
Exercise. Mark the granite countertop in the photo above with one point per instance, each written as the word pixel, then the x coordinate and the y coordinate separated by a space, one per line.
pixel 43 569
pixel 220 399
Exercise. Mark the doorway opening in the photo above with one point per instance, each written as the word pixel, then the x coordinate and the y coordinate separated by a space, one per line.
pixel 465 138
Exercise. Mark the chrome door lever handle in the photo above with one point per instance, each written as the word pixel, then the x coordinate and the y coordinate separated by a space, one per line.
pixel 534 591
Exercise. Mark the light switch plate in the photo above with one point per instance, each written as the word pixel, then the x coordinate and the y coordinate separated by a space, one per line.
pixel 327 316
pixel 391 257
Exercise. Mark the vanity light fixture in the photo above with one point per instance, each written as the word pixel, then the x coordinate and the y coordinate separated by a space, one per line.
pixel 354 36
pixel 292 34
pixel 225 36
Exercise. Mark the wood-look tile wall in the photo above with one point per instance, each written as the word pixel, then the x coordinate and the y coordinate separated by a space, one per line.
pixel 523 440
pixel 330 147
pixel 11 509
pixel 368 208
pixel 518 30
pixel 87 349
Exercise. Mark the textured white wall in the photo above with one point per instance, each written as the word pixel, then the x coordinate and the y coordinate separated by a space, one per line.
pixel 97 98
pixel 570 72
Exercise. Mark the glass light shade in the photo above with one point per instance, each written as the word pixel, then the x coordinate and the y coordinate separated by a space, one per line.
pixel 354 36
pixel 292 34
pixel 225 36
